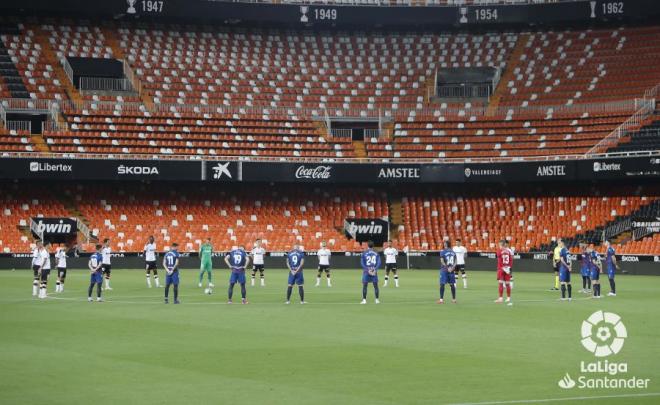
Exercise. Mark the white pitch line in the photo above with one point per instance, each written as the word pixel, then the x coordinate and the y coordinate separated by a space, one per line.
pixel 537 401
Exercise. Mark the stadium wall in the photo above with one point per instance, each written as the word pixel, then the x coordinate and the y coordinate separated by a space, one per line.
pixel 526 262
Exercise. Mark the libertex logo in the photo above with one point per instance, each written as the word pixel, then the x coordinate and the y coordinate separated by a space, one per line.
pixel 603 335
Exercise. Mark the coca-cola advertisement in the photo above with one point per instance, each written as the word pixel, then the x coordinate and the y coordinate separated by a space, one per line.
pixel 290 172
pixel 314 172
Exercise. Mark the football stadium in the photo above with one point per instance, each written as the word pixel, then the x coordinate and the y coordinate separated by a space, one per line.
pixel 330 202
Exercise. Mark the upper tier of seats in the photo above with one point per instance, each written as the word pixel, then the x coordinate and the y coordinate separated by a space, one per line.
pixel 304 70
pixel 267 93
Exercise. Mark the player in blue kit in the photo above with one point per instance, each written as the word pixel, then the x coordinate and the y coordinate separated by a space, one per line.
pixel 585 267
pixel 295 260
pixel 612 265
pixel 565 272
pixel 171 265
pixel 596 269
pixel 447 275
pixel 370 262
pixel 95 265
pixel 237 260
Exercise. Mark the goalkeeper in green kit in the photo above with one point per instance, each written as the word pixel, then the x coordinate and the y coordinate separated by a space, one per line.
pixel 206 265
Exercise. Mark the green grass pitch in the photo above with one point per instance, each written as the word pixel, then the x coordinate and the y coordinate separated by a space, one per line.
pixel 133 349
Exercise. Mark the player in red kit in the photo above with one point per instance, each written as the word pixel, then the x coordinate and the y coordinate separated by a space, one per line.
pixel 504 265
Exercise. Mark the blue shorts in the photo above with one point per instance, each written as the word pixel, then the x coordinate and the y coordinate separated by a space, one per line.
pixel 595 274
pixel 610 273
pixel 172 278
pixel 296 278
pixel 96 277
pixel 237 278
pixel 584 271
pixel 564 275
pixel 447 277
pixel 367 278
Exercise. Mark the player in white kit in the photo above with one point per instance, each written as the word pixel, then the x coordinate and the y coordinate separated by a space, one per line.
pixel 60 257
pixel 37 263
pixel 150 261
pixel 45 269
pixel 323 255
pixel 106 253
pixel 460 252
pixel 390 263
pixel 258 253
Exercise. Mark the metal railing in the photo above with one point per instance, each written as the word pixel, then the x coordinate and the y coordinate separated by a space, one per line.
pixel 646 108
pixel 131 77
pixel 67 68
pixel 83 228
pixel 34 227
pixel 348 229
pixel 617 228
pixel 3 115
pixel 52 126
pixel 328 122
pixel 19 125
pixel 54 123
pixel 399 114
pixel 26 104
pixel 104 84
pixel 496 79
pixel 371 133
pixel 639 233
pixel 236 158
pixel 464 90
pixel 652 92
pixel 342 132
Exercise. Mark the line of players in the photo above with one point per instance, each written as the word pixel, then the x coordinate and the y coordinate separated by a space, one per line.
pixel 452 261
pixel 591 268
pixel 237 260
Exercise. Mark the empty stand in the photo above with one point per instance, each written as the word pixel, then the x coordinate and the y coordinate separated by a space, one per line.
pixel 19 204
pixel 282 215
pixel 265 93
pixel 37 74
pixel 114 128
pixel 528 217
pixel 556 71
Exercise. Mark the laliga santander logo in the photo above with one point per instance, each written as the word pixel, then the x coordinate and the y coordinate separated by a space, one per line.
pixel 603 333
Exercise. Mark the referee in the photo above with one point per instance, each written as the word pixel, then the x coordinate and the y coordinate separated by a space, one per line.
pixel 556 261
